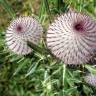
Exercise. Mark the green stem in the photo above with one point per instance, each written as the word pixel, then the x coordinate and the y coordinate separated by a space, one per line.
pixel 59 3
pixel 64 72
pixel 30 4
pixel 47 9
pixel 94 3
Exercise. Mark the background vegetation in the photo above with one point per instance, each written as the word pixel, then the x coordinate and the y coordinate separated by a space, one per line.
pixel 41 74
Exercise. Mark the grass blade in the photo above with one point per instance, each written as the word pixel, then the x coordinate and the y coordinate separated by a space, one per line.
pixel 8 8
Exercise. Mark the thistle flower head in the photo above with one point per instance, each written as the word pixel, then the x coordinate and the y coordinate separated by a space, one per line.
pixel 20 31
pixel 90 79
pixel 72 37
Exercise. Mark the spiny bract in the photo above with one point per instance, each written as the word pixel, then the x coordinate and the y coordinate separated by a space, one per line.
pixel 90 79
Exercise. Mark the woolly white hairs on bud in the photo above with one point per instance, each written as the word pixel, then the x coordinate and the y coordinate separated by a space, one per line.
pixel 90 79
pixel 72 37
pixel 20 31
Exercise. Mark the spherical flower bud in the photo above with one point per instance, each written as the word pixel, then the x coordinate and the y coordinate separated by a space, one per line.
pixel 90 79
pixel 72 37
pixel 20 31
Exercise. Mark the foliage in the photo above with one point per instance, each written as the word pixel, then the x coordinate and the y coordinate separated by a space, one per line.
pixel 41 74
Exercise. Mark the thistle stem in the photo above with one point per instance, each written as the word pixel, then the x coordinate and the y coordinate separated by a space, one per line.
pixel 37 48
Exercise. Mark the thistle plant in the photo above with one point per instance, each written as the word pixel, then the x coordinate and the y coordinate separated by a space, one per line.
pixel 72 37
pixel 21 30
pixel 43 68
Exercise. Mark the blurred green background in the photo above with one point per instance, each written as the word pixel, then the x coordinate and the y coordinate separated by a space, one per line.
pixel 41 74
